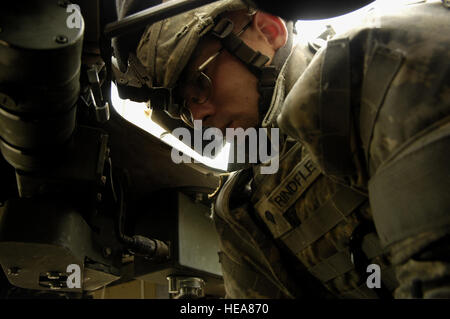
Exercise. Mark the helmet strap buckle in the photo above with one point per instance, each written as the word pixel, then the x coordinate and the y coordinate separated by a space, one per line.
pixel 223 28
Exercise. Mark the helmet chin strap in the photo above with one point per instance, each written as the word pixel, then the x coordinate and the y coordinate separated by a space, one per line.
pixel 269 74
pixel 255 61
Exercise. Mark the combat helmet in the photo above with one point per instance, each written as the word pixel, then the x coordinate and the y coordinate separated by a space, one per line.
pixel 166 47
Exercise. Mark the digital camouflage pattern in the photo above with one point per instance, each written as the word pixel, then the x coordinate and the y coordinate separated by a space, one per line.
pixel 400 110
pixel 347 282
pixel 255 265
pixel 166 46
pixel 252 264
pixel 398 107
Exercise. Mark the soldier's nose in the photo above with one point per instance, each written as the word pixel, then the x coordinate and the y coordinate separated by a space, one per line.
pixel 202 111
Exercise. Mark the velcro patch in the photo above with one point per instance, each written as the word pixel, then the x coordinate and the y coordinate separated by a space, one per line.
pixel 293 186
pixel 272 208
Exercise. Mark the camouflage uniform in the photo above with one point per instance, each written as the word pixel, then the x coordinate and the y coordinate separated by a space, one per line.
pixel 373 98
pixel 260 252
pixel 396 106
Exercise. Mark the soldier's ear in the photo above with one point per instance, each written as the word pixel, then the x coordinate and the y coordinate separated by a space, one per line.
pixel 272 28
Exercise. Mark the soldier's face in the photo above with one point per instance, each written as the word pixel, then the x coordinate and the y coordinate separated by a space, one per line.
pixel 233 101
pixel 234 95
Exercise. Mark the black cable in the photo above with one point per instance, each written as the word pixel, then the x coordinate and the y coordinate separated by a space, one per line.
pixel 120 216
pixel 138 245
pixel 111 180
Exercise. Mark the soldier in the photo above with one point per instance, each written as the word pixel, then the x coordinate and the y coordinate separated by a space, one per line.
pixel 364 126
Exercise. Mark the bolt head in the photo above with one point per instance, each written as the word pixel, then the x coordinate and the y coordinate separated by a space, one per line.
pixel 13 271
pixel 53 275
pixel 61 39
pixel 53 287
pixel 107 251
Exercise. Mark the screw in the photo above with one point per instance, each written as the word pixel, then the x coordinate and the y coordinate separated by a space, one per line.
pixel 99 197
pixel 53 275
pixel 61 39
pixel 103 180
pixel 53 287
pixel 13 271
pixel 107 251
pixel 198 197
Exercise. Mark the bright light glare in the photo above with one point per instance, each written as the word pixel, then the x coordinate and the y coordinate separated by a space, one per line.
pixel 308 30
pixel 139 115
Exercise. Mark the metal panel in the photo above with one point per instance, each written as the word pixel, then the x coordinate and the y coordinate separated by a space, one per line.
pixel 198 240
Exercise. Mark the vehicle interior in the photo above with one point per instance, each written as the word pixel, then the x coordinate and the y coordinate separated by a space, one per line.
pixel 80 184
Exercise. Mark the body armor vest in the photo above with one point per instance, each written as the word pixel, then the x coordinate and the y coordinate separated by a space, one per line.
pixel 327 226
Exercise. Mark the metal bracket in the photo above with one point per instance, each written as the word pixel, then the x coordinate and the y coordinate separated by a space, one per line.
pixel 186 287
pixel 101 106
